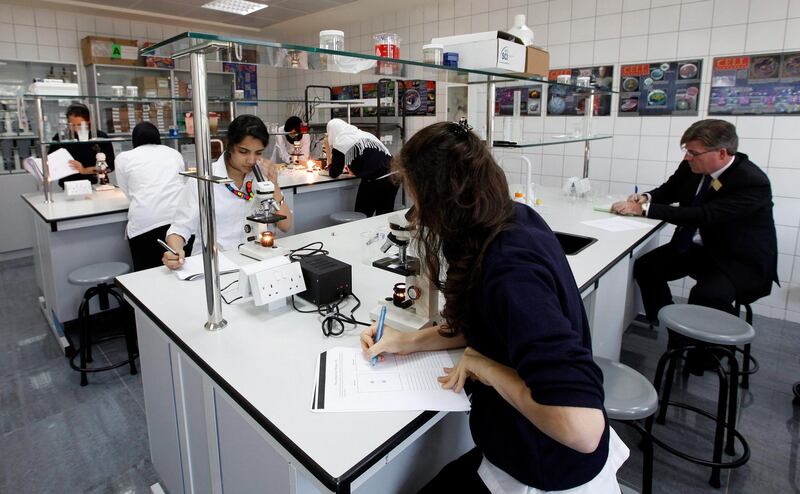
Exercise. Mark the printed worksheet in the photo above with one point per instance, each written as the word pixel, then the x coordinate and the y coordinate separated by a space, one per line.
pixel 347 381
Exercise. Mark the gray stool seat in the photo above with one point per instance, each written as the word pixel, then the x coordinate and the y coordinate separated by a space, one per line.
pixel 629 395
pixel 627 490
pixel 95 274
pixel 706 324
pixel 347 216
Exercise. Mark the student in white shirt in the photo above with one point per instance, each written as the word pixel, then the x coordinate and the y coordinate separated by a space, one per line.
pixel 284 143
pixel 148 175
pixel 247 139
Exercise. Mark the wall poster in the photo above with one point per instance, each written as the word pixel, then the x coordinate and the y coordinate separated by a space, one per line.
pixel 419 97
pixel 352 91
pixel 530 100
pixel 755 85
pixel 564 100
pixel 663 88
pixel 246 77
pixel 370 90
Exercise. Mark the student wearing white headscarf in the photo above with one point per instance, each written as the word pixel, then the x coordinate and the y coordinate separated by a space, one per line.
pixel 368 159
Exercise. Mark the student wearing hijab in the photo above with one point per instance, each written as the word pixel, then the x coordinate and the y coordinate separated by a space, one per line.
pixel 284 143
pixel 148 175
pixel 368 159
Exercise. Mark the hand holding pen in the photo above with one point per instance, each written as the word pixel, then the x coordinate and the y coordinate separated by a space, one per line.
pixel 172 258
pixel 379 333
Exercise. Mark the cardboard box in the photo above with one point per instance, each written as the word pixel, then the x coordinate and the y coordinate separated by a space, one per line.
pixel 117 51
pixel 537 62
pixel 492 51
pixel 159 62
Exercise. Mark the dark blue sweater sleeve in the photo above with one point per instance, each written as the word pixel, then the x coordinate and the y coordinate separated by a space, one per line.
pixel 543 329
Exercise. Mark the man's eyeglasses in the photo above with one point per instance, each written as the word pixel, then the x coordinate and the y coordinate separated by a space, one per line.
pixel 695 154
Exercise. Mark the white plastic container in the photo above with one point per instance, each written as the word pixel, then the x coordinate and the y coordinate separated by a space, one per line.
pixel 433 53
pixel 331 39
pixel 132 91
pixel 521 31
pixel 117 90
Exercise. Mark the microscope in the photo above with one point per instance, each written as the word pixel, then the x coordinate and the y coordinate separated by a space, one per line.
pixel 414 303
pixel 296 154
pixel 260 238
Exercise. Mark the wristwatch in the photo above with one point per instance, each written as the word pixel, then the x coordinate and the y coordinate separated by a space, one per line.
pixel 645 208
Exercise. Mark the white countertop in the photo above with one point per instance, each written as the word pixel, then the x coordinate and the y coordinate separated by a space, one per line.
pixel 269 358
pixel 114 201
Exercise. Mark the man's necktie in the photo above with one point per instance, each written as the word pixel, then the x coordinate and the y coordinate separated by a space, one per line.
pixel 684 234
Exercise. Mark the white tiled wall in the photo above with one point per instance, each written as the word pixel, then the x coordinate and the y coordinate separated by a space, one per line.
pixel 643 152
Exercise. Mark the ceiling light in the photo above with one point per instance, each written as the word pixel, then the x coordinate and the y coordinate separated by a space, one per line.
pixel 241 7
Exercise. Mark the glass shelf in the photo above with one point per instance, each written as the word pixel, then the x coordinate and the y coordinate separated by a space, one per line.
pixel 145 99
pixel 281 55
pixel 553 140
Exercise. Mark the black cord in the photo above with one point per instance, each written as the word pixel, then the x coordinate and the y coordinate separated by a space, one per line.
pixel 333 320
pixel 297 254
pixel 223 296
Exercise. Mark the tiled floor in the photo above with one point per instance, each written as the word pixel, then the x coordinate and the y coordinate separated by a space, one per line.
pixel 58 437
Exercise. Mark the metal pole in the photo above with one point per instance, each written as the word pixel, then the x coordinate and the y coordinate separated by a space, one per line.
pixel 490 89
pixel 208 234
pixel 48 195
pixel 587 130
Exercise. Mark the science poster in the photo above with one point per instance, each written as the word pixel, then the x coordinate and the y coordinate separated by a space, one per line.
pixel 662 88
pixel 370 90
pixel 246 77
pixel 755 85
pixel 568 100
pixel 352 91
pixel 419 97
pixel 530 100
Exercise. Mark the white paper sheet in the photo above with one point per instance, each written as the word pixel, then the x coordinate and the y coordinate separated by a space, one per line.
pixel 193 267
pixel 58 162
pixel 348 382
pixel 616 224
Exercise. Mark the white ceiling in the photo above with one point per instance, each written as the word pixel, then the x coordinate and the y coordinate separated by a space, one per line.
pixel 277 12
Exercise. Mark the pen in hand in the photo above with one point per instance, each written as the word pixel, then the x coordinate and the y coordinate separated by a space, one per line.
pixel 379 332
pixel 166 246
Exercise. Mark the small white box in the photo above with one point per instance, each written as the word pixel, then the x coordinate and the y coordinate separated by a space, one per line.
pixel 492 51
pixel 54 88
pixel 78 188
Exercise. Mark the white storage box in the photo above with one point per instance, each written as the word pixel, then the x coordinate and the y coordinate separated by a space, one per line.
pixel 54 88
pixel 493 51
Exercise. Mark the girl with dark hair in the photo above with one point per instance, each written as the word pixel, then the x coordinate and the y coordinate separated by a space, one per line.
pixel 284 143
pixel 148 175
pixel 247 139
pixel 537 414
pixel 84 154
pixel 368 159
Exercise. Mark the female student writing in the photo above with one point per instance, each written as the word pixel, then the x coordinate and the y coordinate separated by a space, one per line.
pixel 537 414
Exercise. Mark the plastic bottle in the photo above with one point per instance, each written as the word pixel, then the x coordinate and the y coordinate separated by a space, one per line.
pixel 521 31
pixel 519 197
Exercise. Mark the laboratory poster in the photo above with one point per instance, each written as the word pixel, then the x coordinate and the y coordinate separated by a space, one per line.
pixel 371 91
pixel 530 100
pixel 246 77
pixel 419 97
pixel 352 91
pixel 662 88
pixel 566 100
pixel 755 85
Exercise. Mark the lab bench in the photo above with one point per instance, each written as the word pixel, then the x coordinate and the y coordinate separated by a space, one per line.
pixel 231 410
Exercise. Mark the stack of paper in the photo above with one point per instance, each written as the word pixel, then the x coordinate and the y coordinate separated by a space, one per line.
pixel 57 162
pixel 193 267
pixel 346 381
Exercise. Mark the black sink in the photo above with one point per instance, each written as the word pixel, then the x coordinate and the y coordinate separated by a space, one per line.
pixel 572 244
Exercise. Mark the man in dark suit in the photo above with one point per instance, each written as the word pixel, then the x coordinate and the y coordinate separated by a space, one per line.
pixel 725 236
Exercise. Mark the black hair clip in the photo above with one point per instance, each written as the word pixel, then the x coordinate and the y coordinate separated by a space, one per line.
pixel 462 128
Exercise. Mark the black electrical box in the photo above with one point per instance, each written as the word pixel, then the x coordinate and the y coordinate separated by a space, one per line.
pixel 327 279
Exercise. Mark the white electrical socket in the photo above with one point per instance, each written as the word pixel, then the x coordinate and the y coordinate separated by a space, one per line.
pixel 277 283
pixel 248 270
pixel 78 188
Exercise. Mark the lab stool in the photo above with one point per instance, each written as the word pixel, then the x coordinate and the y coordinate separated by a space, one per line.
pixel 747 371
pixel 629 398
pixel 346 217
pixel 718 333
pixel 99 277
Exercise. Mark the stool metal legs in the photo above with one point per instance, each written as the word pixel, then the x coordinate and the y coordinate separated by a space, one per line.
pixel 85 351
pixel 725 419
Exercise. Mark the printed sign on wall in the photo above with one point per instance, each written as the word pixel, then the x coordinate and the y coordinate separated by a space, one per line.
pixel 755 85
pixel 663 88
pixel 566 100
pixel 352 91
pixel 530 100
pixel 419 97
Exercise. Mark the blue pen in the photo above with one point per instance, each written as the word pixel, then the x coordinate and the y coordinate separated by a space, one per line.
pixel 379 333
pixel 636 189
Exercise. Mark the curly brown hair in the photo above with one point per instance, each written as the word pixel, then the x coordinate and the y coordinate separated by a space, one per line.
pixel 462 203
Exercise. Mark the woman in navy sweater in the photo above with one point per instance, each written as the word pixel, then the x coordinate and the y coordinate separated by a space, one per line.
pixel 537 413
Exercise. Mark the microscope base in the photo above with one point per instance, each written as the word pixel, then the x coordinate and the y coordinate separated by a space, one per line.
pixel 402 319
pixel 255 251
